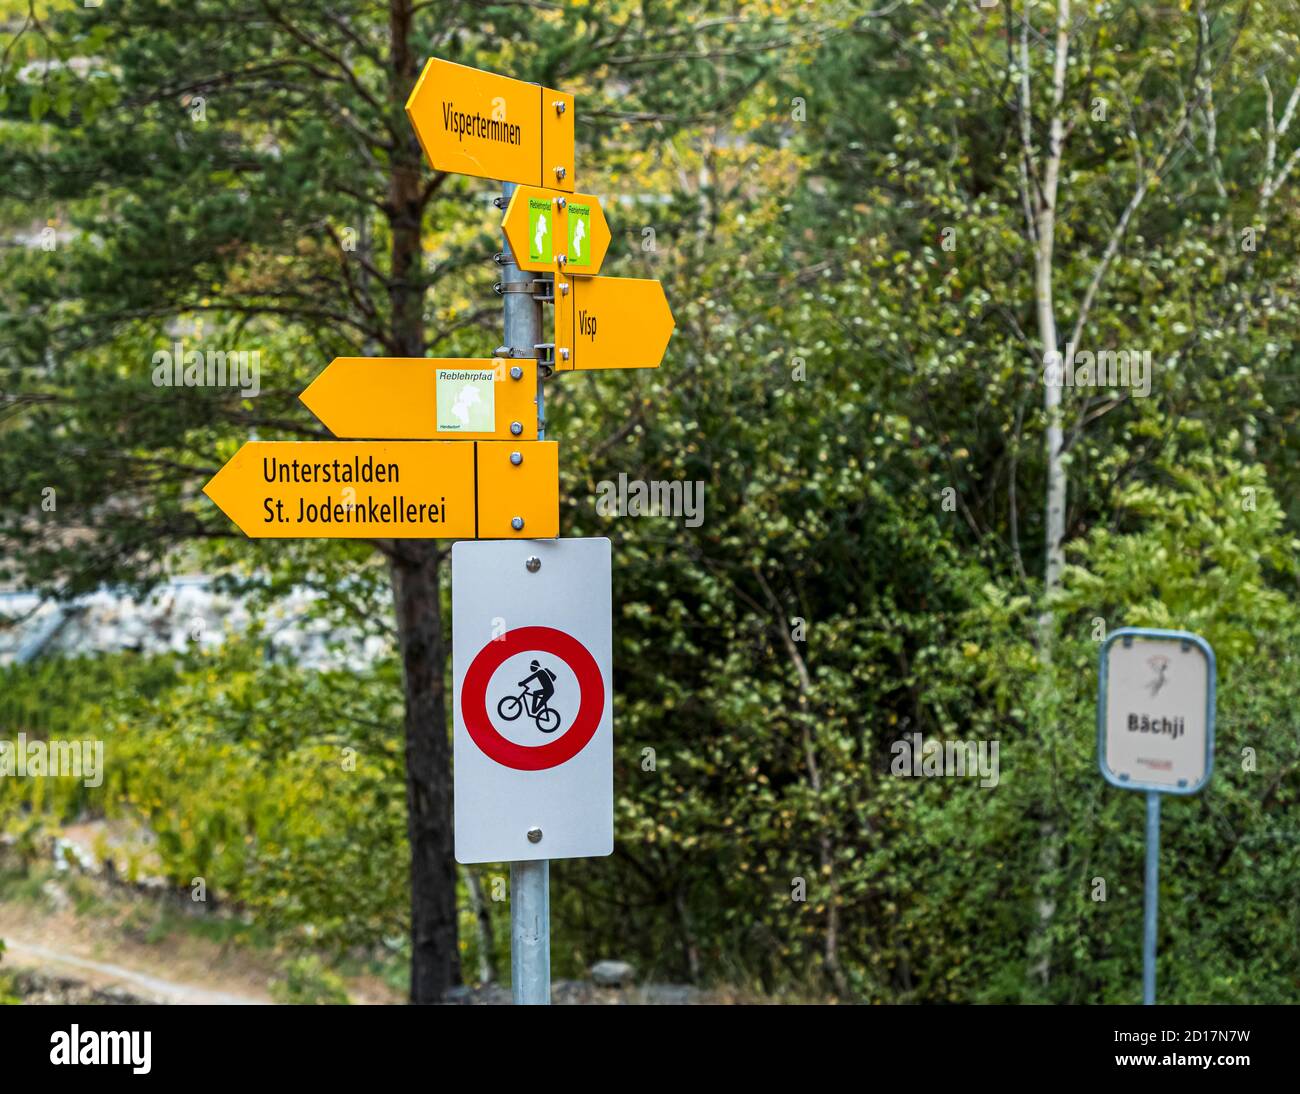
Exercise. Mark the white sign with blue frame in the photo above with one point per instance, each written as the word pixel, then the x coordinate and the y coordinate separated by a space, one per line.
pixel 1155 710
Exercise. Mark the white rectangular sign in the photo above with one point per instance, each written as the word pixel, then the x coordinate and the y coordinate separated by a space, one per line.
pixel 1156 717
pixel 533 698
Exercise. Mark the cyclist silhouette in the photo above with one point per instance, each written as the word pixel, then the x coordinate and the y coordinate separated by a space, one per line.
pixel 545 679
pixel 512 706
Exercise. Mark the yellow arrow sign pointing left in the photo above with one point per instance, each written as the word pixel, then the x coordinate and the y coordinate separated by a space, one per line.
pixel 391 490
pixel 550 231
pixel 471 122
pixel 418 398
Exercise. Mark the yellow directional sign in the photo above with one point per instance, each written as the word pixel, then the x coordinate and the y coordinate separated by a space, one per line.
pixel 610 322
pixel 508 475
pixel 472 122
pixel 417 398
pixel 549 231
pixel 391 490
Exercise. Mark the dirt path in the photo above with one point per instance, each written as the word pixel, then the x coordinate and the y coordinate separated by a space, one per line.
pixel 176 967
pixel 22 954
pixel 98 949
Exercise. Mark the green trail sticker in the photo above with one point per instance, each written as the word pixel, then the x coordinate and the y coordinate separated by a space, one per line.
pixel 466 400
pixel 540 246
pixel 579 235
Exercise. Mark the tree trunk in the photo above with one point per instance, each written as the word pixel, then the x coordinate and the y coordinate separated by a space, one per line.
pixel 417 597
pixel 435 960
pixel 1045 302
pixel 1043 205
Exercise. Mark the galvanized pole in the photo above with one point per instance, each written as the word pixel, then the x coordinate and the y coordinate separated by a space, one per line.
pixel 530 882
pixel 530 932
pixel 1152 899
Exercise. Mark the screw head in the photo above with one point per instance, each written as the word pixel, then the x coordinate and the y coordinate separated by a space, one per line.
pixel 560 172
pixel 516 458
pixel 534 835
pixel 533 564
pixel 559 105
pixel 517 523
pixel 563 260
pixel 564 355
pixel 516 373
pixel 560 203
pixel 564 288
pixel 516 428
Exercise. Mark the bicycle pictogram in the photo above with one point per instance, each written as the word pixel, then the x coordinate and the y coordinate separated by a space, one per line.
pixel 544 717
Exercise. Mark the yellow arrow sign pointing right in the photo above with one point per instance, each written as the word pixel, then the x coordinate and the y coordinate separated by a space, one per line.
pixel 610 322
pixel 549 231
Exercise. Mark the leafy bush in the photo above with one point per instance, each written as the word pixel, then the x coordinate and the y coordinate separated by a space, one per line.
pixel 306 981
pixel 282 789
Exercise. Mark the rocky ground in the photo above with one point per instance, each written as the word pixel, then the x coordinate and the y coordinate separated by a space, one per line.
pixel 40 989
pixel 91 938
pixel 585 993
pixel 36 988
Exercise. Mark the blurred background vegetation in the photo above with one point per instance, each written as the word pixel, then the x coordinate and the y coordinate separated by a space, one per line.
pixel 834 198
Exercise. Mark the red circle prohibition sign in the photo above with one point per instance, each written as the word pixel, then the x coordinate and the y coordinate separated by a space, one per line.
pixel 473 698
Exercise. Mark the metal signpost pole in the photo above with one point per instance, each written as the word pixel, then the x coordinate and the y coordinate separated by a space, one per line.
pixel 1152 899
pixel 530 882
pixel 1155 734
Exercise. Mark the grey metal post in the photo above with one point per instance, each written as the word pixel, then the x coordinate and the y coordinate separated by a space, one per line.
pixel 530 882
pixel 530 933
pixel 1152 899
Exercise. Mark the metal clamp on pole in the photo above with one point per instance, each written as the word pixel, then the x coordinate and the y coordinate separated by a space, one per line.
pixel 544 289
pixel 545 354
pixel 501 288
pixel 501 258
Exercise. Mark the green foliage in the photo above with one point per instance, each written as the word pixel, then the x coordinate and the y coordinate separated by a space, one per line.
pixel 281 789
pixel 306 981
pixel 861 402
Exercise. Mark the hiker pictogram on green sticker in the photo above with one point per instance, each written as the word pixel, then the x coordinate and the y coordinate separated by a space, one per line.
pixel 465 400
pixel 579 235
pixel 540 246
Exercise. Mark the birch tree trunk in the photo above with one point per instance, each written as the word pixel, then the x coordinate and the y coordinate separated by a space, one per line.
pixel 1040 197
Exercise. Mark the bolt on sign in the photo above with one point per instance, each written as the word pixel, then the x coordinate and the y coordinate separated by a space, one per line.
pixel 1155 711
pixel 391 489
pixel 610 322
pixel 532 671
pixel 415 398
pixel 471 122
pixel 552 232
